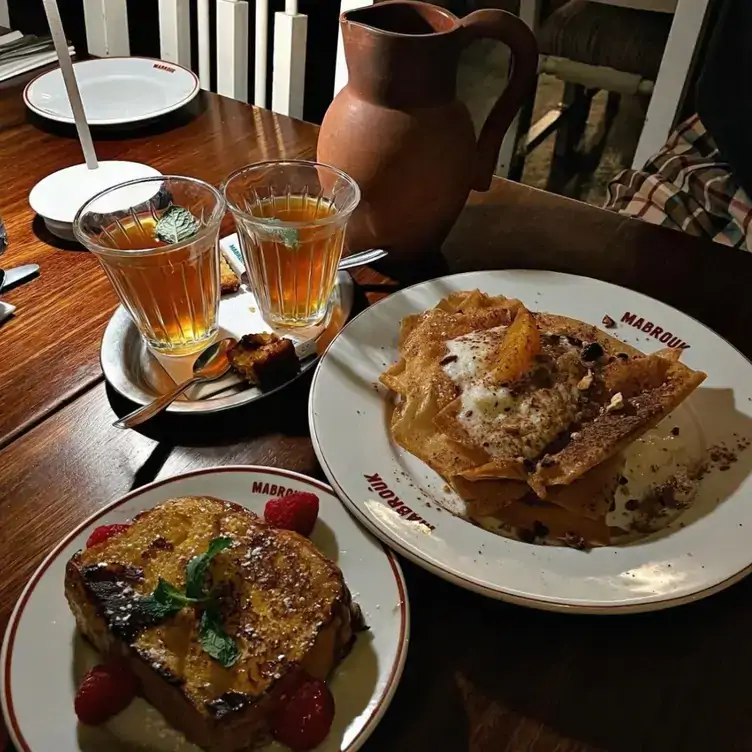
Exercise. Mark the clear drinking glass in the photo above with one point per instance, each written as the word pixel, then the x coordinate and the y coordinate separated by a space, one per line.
pixel 291 219
pixel 156 239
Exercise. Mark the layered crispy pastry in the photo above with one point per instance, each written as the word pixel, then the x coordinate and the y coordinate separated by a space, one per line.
pixel 526 414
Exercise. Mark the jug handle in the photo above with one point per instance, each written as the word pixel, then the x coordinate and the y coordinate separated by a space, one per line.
pixel 517 35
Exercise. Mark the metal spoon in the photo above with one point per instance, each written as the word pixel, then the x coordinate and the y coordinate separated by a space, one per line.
pixel 210 365
pixel 361 258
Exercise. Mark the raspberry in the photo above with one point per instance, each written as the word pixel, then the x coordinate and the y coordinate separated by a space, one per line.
pixel 105 532
pixel 296 511
pixel 105 691
pixel 304 715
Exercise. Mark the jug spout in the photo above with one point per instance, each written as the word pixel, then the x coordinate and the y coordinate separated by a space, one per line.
pixel 402 54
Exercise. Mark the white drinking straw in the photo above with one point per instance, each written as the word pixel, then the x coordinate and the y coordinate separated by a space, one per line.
pixel 71 86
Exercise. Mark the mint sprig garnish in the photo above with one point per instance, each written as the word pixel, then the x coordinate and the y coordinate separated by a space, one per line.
pixel 195 570
pixel 167 600
pixel 175 225
pixel 214 640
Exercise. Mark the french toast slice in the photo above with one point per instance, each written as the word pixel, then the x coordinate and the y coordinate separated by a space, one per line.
pixel 285 605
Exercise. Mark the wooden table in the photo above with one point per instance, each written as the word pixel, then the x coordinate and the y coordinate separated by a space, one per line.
pixel 481 675
pixel 55 335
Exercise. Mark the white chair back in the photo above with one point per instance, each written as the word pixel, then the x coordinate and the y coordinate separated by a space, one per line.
pixel 4 14
pixel 107 35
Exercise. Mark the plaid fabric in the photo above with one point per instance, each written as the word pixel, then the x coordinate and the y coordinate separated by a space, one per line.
pixel 688 187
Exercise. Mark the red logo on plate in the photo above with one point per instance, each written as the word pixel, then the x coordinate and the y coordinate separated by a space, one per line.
pixel 162 66
pixel 377 485
pixel 664 336
pixel 271 489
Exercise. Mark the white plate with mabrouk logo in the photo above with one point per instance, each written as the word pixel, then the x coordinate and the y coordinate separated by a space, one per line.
pixel 697 551
pixel 114 90
pixel 44 658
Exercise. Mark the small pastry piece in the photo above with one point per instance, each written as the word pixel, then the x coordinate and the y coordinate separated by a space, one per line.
pixel 265 359
pixel 227 278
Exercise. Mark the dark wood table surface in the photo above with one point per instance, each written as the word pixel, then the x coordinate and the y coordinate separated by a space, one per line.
pixel 481 675
pixel 54 338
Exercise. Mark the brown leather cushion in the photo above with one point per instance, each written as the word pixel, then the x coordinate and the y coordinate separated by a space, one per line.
pixel 463 7
pixel 512 6
pixel 623 38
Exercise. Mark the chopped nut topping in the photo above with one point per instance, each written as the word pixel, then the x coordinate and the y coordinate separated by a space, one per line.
pixel 617 403
pixel 586 381
pixel 575 541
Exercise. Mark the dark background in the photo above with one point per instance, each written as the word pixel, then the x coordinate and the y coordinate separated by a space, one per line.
pixel 28 17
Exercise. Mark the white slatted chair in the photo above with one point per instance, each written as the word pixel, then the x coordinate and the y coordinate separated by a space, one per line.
pixel 667 91
pixel 674 73
pixel 107 35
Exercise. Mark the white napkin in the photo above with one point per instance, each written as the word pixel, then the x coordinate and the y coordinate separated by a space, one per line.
pixel 230 249
pixel 24 65
pixel 10 36
pixel 238 315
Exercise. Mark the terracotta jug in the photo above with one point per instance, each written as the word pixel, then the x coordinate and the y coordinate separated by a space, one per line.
pixel 398 128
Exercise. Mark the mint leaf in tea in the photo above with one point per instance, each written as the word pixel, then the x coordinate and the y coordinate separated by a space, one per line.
pixel 293 265
pixel 175 225
pixel 172 290
pixel 288 236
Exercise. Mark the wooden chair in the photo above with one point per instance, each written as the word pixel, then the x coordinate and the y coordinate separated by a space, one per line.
pixel 107 35
pixel 665 67
pixel 631 47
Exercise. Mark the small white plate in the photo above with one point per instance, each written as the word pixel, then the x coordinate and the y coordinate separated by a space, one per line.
pixel 705 549
pixel 58 196
pixel 114 90
pixel 43 657
pixel 140 375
